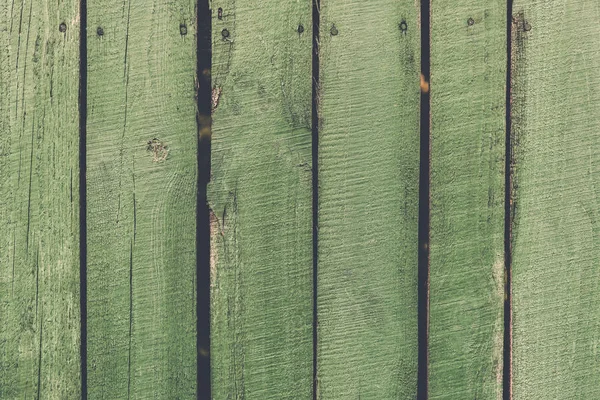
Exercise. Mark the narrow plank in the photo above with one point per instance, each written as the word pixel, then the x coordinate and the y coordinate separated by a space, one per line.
pixel 39 200
pixel 556 199
pixel 141 199
pixel 368 199
pixel 468 79
pixel 260 198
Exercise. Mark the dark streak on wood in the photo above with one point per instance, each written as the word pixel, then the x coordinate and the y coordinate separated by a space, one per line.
pixel 39 371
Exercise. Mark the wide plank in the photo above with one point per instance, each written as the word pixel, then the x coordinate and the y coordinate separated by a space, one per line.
pixel 368 174
pixel 260 199
pixel 556 199
pixel 467 198
pixel 141 199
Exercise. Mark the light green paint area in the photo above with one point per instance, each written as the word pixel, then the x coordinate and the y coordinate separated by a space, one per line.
pixel 368 200
pixel 556 227
pixel 260 197
pixel 39 201
pixel 468 76
pixel 141 200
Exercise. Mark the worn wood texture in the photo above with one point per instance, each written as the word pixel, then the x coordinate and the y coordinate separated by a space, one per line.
pixel 39 200
pixel 260 198
pixel 368 199
pixel 141 200
pixel 468 79
pixel 556 199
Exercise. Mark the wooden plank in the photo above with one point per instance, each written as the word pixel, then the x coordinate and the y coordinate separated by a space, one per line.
pixel 468 79
pixel 261 200
pixel 39 200
pixel 556 199
pixel 368 199
pixel 141 199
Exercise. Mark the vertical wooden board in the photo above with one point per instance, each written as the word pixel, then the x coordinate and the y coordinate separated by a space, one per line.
pixel 260 200
pixel 468 79
pixel 368 199
pixel 39 200
pixel 141 199
pixel 556 199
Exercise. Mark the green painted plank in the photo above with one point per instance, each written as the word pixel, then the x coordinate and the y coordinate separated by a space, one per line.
pixel 141 199
pixel 556 200
pixel 39 200
pixel 368 199
pixel 260 198
pixel 468 79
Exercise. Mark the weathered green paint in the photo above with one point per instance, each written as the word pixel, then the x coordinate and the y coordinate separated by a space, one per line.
pixel 556 200
pixel 39 201
pixel 261 200
pixel 368 199
pixel 141 200
pixel 468 79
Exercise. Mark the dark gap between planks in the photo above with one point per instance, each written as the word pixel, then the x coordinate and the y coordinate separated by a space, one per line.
pixel 82 105
pixel 203 118
pixel 424 208
pixel 507 351
pixel 203 230
pixel 315 178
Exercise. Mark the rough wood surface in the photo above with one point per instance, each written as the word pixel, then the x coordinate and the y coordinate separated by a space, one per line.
pixel 141 200
pixel 261 200
pixel 39 200
pixel 556 199
pixel 468 75
pixel 368 199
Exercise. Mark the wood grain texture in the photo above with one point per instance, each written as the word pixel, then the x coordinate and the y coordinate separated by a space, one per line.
pixel 39 200
pixel 368 199
pixel 468 79
pixel 556 199
pixel 261 200
pixel 141 200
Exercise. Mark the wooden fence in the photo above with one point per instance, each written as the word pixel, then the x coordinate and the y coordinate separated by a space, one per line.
pixel 404 199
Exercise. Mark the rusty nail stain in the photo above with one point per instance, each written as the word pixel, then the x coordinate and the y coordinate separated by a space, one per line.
pixel 424 84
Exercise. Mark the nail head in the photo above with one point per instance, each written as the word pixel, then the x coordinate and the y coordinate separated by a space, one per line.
pixel 403 26
pixel 62 27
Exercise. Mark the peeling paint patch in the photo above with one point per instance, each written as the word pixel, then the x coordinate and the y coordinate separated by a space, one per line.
pixel 214 230
pixel 215 96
